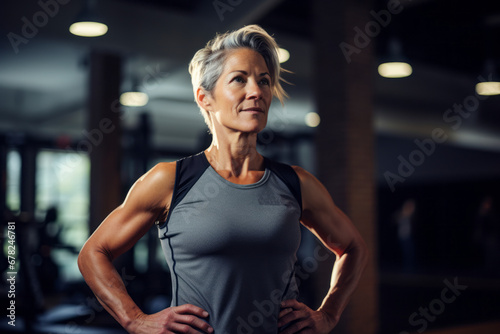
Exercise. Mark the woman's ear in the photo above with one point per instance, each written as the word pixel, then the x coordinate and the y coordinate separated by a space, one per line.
pixel 203 99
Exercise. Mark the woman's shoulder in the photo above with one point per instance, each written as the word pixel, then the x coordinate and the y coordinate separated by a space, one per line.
pixel 301 172
pixel 298 169
pixel 152 190
pixel 164 167
pixel 306 178
pixel 158 181
pixel 162 173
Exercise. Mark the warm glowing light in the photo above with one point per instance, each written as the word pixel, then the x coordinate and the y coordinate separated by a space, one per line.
pixel 283 55
pixel 88 29
pixel 134 99
pixel 488 88
pixel 395 70
pixel 312 119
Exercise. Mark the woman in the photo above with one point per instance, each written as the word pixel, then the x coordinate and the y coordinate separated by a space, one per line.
pixel 228 218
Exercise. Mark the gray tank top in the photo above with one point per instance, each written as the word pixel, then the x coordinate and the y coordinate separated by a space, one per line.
pixel 231 248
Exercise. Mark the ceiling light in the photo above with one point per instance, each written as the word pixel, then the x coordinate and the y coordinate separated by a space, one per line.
pixel 283 55
pixel 312 119
pixel 491 85
pixel 395 69
pixel 88 23
pixel 88 29
pixel 488 88
pixel 395 64
pixel 134 99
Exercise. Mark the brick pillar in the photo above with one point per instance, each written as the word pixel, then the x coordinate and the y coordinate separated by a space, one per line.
pixel 345 139
pixel 28 151
pixel 3 178
pixel 103 136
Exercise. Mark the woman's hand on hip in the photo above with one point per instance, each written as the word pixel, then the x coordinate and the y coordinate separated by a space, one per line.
pixel 299 318
pixel 185 318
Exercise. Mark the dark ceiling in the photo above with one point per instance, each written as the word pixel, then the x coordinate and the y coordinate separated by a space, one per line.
pixel 454 34
pixel 457 35
pixel 179 5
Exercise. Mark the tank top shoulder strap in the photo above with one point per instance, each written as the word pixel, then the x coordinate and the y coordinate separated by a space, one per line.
pixel 288 175
pixel 187 171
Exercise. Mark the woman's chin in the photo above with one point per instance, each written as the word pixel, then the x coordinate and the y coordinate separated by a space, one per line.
pixel 252 128
pixel 256 129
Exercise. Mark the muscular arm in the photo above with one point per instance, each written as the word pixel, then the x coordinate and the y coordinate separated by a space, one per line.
pixel 147 201
pixel 337 233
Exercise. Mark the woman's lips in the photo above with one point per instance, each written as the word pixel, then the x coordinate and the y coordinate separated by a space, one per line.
pixel 253 109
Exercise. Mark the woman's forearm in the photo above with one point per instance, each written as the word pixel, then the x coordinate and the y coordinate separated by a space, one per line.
pixel 101 276
pixel 346 274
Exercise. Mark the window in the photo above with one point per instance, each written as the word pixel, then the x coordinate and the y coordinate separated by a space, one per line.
pixel 13 181
pixel 62 187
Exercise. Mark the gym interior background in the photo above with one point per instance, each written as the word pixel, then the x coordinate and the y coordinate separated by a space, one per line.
pixel 414 160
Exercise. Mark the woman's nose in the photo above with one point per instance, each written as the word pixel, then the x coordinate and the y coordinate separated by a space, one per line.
pixel 254 91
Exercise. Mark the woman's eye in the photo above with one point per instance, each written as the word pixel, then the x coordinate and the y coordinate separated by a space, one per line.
pixel 265 82
pixel 238 79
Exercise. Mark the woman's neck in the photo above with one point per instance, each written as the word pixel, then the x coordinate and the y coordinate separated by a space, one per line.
pixel 236 154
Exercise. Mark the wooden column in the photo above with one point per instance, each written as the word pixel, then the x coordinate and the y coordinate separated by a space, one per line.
pixel 102 138
pixel 28 152
pixel 3 178
pixel 345 137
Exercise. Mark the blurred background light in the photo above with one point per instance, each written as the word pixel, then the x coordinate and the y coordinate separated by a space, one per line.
pixel 395 64
pixel 283 55
pixel 488 88
pixel 395 70
pixel 312 119
pixel 88 29
pixel 134 99
pixel 490 81
pixel 88 22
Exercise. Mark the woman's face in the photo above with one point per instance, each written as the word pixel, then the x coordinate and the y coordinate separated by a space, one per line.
pixel 242 95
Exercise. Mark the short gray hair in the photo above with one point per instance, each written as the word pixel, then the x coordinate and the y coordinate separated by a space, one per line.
pixel 208 63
